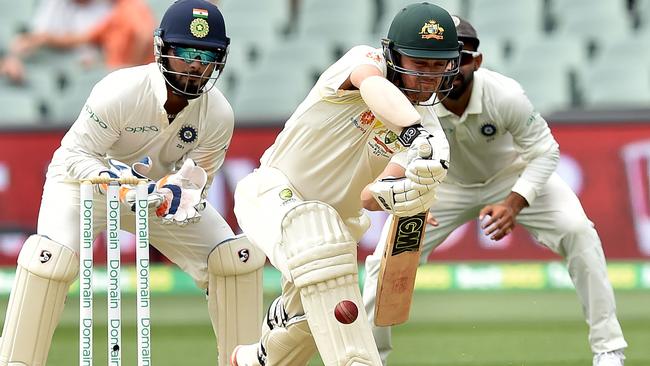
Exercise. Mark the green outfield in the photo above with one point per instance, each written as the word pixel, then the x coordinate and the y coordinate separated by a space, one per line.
pixel 531 328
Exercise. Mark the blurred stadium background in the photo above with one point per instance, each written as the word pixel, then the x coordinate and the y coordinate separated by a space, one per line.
pixel 584 64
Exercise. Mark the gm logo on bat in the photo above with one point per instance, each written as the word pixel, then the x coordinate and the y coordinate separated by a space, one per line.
pixel 408 234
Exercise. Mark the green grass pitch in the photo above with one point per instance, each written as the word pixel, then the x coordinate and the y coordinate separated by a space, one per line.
pixel 495 328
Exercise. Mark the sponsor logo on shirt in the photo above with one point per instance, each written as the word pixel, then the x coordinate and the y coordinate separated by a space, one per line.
pixel 141 129
pixel 286 194
pixel 373 55
pixel 363 121
pixel 94 117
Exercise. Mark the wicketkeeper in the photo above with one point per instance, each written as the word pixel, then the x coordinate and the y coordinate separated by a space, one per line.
pixel 366 116
pixel 164 121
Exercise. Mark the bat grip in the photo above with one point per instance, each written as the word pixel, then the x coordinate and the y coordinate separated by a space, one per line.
pixel 425 151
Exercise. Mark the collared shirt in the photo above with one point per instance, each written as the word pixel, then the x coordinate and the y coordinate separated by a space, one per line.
pixel 124 118
pixel 499 133
pixel 333 146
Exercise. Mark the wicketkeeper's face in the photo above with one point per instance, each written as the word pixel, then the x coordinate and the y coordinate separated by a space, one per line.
pixel 191 68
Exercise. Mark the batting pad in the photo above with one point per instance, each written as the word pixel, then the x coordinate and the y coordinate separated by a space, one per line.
pixel 44 274
pixel 235 294
pixel 321 256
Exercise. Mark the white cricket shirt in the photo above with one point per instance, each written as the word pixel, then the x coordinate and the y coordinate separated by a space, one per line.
pixel 124 118
pixel 499 133
pixel 333 146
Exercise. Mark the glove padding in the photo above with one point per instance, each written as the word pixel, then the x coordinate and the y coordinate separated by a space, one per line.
pixel 427 172
pixel 118 169
pixel 182 194
pixel 403 197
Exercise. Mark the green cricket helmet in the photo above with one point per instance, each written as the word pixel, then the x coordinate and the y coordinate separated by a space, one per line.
pixel 426 31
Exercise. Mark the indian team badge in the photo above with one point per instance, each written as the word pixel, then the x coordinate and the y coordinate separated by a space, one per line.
pixel 488 129
pixel 432 30
pixel 199 28
pixel 187 134
pixel 286 194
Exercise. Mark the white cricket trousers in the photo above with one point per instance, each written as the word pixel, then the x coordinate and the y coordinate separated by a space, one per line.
pixel 556 219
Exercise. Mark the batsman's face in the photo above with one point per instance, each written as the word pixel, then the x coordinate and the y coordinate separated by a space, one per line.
pixel 190 74
pixel 426 78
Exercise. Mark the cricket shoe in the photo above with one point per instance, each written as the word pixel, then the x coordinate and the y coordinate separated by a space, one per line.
pixel 245 355
pixel 612 358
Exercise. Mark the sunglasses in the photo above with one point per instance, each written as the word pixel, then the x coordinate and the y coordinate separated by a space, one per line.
pixel 190 54
pixel 467 57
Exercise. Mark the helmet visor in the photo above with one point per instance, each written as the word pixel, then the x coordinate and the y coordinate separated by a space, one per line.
pixel 189 55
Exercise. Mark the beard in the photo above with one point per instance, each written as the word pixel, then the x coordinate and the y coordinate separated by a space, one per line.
pixel 187 86
pixel 459 89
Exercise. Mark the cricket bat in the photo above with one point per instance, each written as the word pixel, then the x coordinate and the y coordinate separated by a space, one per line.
pixel 399 265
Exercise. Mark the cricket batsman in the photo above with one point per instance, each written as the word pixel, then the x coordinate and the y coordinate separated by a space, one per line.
pixel 368 115
pixel 504 159
pixel 167 122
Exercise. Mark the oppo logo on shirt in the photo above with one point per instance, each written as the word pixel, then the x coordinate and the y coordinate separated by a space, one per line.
pixel 141 129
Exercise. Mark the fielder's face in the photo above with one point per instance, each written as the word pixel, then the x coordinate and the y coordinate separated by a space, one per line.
pixel 190 68
pixel 422 85
pixel 470 61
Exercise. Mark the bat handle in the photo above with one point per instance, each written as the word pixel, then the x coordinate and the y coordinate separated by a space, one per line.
pixel 425 151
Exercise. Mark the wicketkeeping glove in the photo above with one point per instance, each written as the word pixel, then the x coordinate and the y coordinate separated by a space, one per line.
pixel 118 169
pixel 182 194
pixel 403 197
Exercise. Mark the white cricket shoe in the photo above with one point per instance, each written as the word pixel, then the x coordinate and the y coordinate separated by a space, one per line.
pixel 612 358
pixel 245 355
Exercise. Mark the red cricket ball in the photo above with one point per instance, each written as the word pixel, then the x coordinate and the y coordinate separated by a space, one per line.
pixel 346 312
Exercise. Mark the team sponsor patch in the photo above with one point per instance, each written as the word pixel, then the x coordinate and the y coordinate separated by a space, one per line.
pixel 187 134
pixel 141 129
pixel 286 194
pixel 488 129
pixel 432 30
pixel 363 121
pixel 374 56
pixel 95 117
pixel 199 28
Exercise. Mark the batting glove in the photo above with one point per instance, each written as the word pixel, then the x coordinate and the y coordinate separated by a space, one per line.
pixel 182 194
pixel 403 197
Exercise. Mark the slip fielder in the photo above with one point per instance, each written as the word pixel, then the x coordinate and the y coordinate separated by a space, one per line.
pixel 504 158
